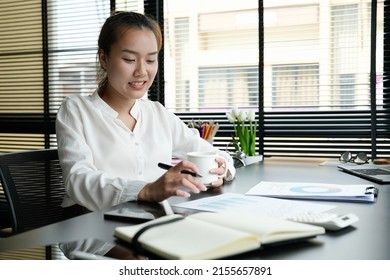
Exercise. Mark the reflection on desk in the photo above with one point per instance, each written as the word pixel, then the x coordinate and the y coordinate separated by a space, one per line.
pixel 95 249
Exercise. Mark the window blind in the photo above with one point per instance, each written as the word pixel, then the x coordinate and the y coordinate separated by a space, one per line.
pixel 211 55
pixel 318 86
pixel 386 60
pixel 306 69
pixel 47 52
pixel 73 30
pixel 21 76
pixel 384 116
pixel 319 98
pixel 211 60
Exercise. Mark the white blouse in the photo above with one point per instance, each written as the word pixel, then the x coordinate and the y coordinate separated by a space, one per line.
pixel 104 163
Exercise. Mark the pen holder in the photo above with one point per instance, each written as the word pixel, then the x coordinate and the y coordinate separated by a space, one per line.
pixel 205 130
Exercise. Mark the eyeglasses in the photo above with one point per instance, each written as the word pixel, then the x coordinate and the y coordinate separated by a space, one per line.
pixel 360 158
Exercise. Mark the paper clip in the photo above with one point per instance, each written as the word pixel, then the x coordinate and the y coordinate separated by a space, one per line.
pixel 372 190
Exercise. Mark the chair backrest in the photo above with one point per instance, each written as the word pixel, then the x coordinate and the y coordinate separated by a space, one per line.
pixel 34 188
pixel 5 221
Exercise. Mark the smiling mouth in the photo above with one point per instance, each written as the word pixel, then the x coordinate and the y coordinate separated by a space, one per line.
pixel 137 83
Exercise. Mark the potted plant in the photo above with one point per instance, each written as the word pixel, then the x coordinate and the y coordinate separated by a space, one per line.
pixel 244 137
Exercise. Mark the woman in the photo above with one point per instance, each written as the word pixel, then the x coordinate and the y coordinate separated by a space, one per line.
pixel 111 142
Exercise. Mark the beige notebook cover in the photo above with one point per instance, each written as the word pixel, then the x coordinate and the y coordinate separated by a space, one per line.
pixel 214 235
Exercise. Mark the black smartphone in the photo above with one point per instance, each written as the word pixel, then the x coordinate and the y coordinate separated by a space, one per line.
pixel 133 215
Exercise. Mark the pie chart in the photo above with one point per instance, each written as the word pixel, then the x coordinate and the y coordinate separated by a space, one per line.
pixel 315 189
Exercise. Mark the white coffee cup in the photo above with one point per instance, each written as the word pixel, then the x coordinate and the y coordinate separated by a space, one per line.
pixel 205 161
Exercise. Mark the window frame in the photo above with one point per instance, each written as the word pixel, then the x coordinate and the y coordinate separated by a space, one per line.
pixel 307 128
pixel 307 133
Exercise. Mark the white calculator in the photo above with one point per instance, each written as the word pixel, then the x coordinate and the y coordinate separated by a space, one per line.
pixel 329 221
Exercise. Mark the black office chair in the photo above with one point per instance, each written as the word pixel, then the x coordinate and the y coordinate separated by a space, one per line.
pixel 5 221
pixel 33 187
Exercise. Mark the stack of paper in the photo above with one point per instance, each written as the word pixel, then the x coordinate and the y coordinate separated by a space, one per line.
pixel 317 191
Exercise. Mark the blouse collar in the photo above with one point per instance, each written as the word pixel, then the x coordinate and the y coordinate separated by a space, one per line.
pixel 102 105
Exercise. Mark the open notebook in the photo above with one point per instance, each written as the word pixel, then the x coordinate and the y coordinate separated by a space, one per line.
pixel 372 172
pixel 212 235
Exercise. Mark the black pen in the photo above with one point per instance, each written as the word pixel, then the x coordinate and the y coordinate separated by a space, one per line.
pixel 167 166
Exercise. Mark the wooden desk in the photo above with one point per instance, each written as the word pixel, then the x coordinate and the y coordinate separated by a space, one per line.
pixel 368 239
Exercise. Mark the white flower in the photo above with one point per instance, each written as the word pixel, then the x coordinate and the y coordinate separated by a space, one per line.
pixel 230 117
pixel 245 128
pixel 235 112
pixel 244 115
pixel 241 116
pixel 251 116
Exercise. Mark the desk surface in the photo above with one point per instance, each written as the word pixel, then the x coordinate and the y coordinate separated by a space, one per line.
pixel 367 239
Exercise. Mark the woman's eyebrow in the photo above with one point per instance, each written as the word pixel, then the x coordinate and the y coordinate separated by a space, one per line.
pixel 134 52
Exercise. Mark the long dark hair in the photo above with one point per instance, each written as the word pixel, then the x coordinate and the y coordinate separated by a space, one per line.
pixel 110 33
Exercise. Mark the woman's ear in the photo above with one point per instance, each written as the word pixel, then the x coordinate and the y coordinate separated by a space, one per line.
pixel 102 58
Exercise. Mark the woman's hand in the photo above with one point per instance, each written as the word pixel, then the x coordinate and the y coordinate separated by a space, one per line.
pixel 169 183
pixel 220 171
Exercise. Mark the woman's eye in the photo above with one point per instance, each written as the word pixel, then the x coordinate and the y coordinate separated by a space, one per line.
pixel 151 61
pixel 129 60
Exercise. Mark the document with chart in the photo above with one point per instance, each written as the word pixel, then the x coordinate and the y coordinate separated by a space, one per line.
pixel 271 207
pixel 315 191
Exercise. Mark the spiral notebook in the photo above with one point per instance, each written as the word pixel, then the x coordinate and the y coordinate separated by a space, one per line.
pixel 315 191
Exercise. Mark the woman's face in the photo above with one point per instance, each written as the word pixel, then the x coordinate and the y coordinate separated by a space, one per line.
pixel 132 63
